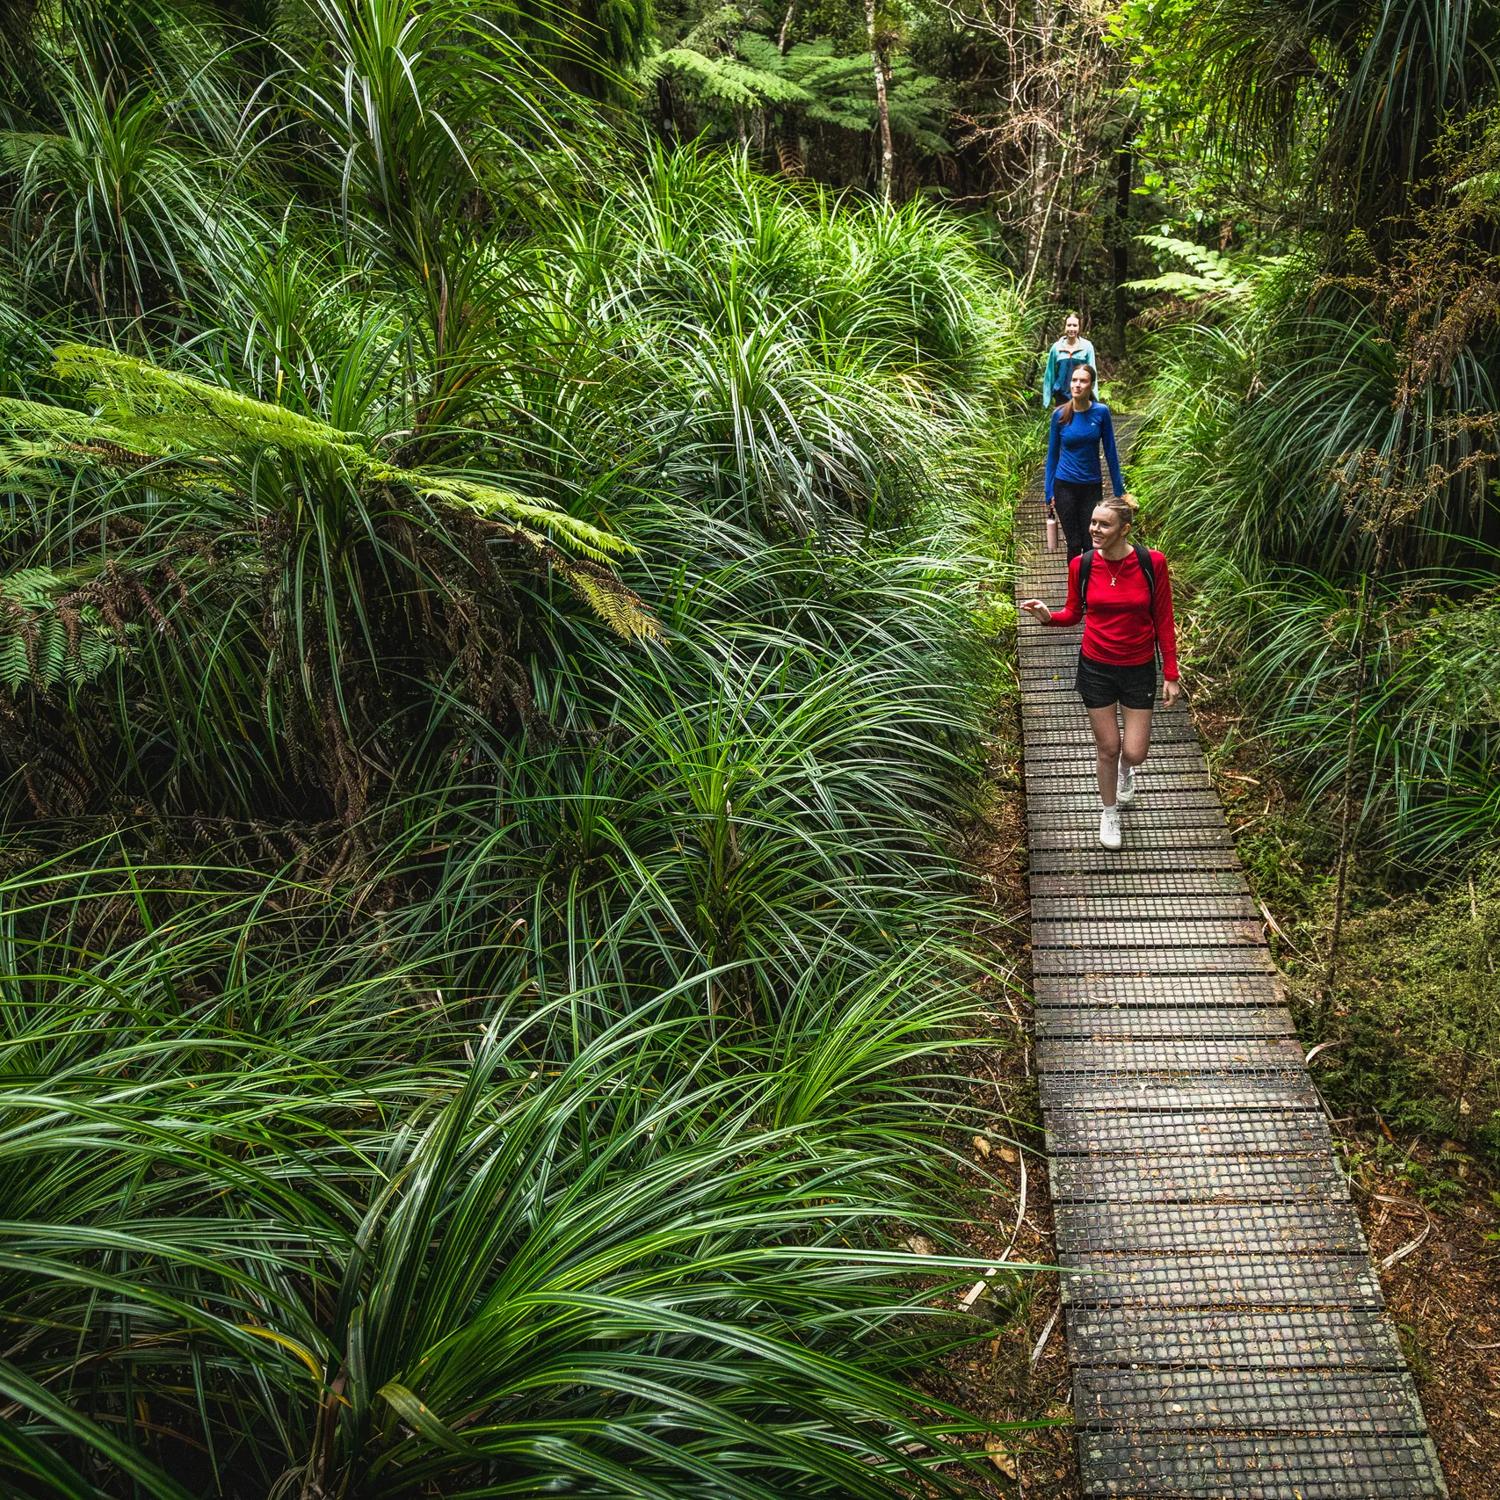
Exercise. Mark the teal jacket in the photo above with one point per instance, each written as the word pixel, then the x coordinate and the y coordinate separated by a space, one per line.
pixel 1055 381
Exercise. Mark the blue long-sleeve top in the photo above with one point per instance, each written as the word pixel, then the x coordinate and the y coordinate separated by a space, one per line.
pixel 1073 451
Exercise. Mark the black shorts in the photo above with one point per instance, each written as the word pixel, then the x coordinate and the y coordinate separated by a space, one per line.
pixel 1102 686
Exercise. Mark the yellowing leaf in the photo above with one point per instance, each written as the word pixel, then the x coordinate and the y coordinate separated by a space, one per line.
pixel 1000 1456
pixel 291 1345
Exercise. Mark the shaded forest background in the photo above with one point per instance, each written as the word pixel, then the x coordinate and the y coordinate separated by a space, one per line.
pixel 1282 218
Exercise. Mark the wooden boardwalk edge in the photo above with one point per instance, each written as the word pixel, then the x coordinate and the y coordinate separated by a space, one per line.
pixel 1225 1330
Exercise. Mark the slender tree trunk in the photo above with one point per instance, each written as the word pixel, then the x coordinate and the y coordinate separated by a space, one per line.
pixel 1068 184
pixel 1349 825
pixel 882 103
pixel 1124 174
pixel 788 156
pixel 667 110
pixel 1043 193
pixel 1346 808
pixel 1049 191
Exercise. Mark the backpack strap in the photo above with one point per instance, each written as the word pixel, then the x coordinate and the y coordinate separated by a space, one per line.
pixel 1085 567
pixel 1148 568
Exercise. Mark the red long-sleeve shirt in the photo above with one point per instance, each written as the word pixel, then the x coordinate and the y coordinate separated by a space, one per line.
pixel 1117 624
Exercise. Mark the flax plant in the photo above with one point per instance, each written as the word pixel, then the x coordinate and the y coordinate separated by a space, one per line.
pixel 490 658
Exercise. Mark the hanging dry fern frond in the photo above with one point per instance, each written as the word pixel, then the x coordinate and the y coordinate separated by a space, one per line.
pixel 621 608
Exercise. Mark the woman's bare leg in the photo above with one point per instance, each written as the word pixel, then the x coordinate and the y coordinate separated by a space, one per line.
pixel 1106 729
pixel 1137 738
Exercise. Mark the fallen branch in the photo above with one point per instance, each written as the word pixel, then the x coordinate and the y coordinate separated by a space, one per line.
pixel 1323 1047
pixel 1276 927
pixel 1407 1248
pixel 981 1286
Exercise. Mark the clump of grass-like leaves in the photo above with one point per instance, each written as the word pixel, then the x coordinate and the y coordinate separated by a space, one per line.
pixel 1338 517
pixel 490 654
pixel 343 1227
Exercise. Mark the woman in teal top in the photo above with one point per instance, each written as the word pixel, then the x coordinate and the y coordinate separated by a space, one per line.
pixel 1070 351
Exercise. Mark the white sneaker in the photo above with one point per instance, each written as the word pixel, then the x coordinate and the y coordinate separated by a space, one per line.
pixel 1109 827
pixel 1125 785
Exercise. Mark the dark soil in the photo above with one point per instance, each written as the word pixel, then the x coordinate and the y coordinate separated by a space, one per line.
pixel 1444 1297
pixel 1430 1209
pixel 1020 1376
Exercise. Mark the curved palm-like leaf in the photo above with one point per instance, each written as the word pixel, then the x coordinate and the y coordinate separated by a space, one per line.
pixel 443 1048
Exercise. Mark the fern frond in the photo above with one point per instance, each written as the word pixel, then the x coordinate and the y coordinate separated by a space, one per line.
pixel 49 634
pixel 1213 276
pixel 728 80
pixel 621 608
pixel 145 404
pixel 61 425
pixel 130 391
pixel 503 504
pixel 1483 187
pixel 150 413
pixel 1178 284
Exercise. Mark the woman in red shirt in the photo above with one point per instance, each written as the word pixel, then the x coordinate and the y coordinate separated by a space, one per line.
pixel 1127 617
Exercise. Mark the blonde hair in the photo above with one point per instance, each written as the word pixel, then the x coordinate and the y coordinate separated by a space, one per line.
pixel 1126 507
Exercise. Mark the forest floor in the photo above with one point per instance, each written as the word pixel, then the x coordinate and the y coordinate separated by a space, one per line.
pixel 1021 1374
pixel 1430 1208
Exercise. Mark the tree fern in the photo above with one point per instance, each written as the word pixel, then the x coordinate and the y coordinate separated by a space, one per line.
pixel 727 63
pixel 147 409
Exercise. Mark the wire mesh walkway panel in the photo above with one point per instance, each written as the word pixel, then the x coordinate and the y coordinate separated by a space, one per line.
pixel 1225 1328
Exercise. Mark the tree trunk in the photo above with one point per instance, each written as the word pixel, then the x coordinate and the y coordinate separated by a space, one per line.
pixel 1043 170
pixel 788 155
pixel 1124 174
pixel 1348 825
pixel 668 110
pixel 882 103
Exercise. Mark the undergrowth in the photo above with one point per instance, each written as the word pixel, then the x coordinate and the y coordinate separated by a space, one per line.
pixel 498 646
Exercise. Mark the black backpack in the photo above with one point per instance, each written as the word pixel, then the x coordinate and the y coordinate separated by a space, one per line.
pixel 1143 557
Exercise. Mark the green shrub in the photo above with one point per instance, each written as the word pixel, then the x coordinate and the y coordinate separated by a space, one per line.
pixel 494 645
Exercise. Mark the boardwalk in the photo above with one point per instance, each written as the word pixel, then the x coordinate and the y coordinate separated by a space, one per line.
pixel 1227 1337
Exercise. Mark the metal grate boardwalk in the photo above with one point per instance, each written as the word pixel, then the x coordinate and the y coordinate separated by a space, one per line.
pixel 1225 1328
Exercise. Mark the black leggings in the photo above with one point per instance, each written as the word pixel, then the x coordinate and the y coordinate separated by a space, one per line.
pixel 1074 504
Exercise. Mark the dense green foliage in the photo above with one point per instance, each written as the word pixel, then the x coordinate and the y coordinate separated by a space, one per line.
pixel 494 646
pixel 490 661
pixel 1322 457
pixel 1323 450
pixel 1414 1018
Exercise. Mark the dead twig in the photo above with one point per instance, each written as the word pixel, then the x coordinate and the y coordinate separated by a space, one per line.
pixel 1041 1343
pixel 1408 1248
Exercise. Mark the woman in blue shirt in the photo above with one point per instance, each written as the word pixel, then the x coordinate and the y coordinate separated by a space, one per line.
pixel 1075 483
